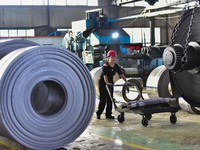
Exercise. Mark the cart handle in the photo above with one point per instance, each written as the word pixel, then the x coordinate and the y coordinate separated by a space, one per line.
pixel 128 84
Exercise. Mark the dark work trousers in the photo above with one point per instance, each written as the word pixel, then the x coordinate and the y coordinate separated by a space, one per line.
pixel 105 100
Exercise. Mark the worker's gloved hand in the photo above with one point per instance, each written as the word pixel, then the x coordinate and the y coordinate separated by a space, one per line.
pixel 128 83
pixel 110 84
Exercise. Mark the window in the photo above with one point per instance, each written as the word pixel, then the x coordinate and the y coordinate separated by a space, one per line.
pixel 50 2
pixel 12 33
pixel 10 2
pixel 76 2
pixel 21 33
pixel 92 2
pixel 16 32
pixel 30 32
pixel 142 35
pixel 4 33
pixel 33 2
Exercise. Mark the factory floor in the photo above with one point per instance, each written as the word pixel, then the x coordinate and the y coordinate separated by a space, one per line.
pixel 106 134
pixel 160 134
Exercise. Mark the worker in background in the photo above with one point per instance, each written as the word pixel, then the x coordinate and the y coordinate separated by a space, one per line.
pixel 69 41
pixel 109 69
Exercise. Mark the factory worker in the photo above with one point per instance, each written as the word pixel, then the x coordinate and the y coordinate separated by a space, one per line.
pixel 109 69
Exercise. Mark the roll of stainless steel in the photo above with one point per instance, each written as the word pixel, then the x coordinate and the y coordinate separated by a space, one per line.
pixel 159 82
pixel 9 45
pixel 96 73
pixel 47 97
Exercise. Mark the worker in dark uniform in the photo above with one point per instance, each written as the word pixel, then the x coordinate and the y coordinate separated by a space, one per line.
pixel 108 71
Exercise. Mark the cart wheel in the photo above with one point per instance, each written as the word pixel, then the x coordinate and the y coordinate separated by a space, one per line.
pixel 173 118
pixel 148 116
pixel 144 122
pixel 121 118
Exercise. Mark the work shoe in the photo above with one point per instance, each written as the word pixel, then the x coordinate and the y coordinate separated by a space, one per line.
pixel 98 117
pixel 110 117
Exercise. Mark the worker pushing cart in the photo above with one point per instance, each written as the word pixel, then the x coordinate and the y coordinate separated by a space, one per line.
pixel 110 68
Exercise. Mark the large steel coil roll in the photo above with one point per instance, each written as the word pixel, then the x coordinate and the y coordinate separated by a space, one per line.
pixel 47 97
pixel 188 82
pixel 96 73
pixel 9 45
pixel 159 82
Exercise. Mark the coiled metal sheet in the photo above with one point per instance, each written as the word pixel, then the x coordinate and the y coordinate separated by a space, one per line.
pixel 9 45
pixel 187 107
pixel 47 97
pixel 188 82
pixel 158 81
pixel 130 94
pixel 96 74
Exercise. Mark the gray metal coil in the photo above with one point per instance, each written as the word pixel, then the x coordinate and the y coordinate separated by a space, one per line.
pixel 96 74
pixel 159 81
pixel 47 97
pixel 9 45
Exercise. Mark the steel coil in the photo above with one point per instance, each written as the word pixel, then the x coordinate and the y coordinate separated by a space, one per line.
pixel 187 107
pixel 96 73
pixel 47 97
pixel 132 93
pixel 188 82
pixel 9 45
pixel 158 81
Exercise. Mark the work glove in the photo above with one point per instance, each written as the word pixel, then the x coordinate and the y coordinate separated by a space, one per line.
pixel 128 83
pixel 126 86
pixel 110 84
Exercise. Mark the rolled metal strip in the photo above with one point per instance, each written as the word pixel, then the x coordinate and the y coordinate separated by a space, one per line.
pixel 9 45
pixel 190 79
pixel 96 74
pixel 122 93
pixel 47 97
pixel 187 107
pixel 158 81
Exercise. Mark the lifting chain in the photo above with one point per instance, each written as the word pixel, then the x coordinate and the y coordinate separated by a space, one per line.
pixel 184 59
pixel 179 22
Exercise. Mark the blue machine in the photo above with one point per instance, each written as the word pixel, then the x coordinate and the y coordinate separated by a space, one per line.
pixel 99 30
pixel 103 34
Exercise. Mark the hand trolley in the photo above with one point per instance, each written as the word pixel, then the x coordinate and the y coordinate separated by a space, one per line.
pixel 144 107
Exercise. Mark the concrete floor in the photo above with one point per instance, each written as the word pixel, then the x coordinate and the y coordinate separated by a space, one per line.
pixel 160 134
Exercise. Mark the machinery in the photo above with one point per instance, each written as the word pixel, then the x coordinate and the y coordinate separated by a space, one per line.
pixel 181 58
pixel 95 35
pixel 182 62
